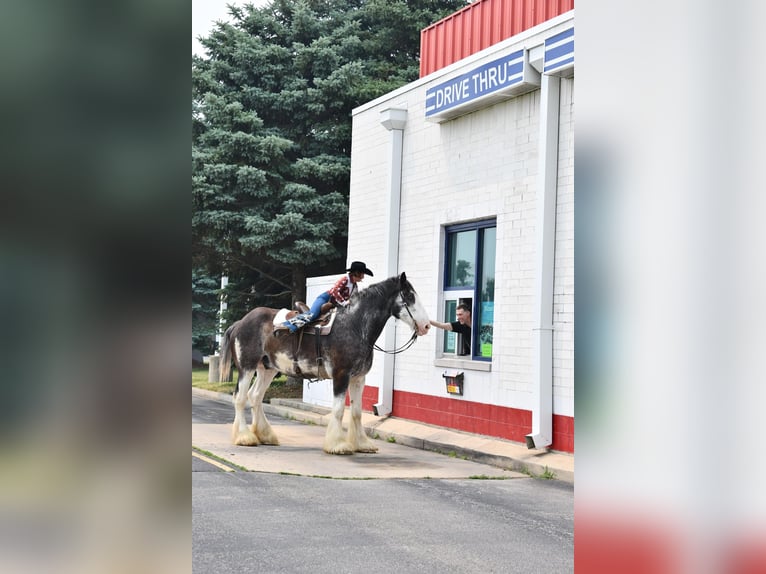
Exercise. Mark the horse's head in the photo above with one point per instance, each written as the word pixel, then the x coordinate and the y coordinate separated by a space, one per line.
pixel 409 309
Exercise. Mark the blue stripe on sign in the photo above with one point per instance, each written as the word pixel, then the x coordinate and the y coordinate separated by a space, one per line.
pixel 559 51
pixel 559 36
pixel 558 64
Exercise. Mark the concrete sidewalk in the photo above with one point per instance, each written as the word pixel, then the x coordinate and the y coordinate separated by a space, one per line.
pixel 479 448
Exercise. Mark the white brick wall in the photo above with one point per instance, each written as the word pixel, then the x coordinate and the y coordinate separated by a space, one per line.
pixel 563 281
pixel 480 165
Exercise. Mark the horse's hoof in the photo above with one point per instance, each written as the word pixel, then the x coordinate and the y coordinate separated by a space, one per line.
pixel 268 437
pixel 339 449
pixel 246 438
pixel 247 441
pixel 369 449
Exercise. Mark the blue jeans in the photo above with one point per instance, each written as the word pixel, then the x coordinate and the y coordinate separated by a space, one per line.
pixel 316 308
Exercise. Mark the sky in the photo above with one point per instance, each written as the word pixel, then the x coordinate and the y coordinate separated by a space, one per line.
pixel 204 15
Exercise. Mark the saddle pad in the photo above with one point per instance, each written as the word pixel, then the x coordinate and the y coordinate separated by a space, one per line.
pixel 327 325
pixel 283 314
pixel 280 318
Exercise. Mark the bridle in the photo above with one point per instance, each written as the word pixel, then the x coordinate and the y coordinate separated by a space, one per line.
pixel 414 336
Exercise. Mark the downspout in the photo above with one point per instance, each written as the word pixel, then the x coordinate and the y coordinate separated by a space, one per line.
pixel 394 121
pixel 542 400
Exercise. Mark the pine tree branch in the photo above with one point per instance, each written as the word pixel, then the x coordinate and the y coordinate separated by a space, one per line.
pixel 262 272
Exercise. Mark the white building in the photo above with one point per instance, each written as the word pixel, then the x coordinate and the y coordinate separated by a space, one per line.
pixel 464 179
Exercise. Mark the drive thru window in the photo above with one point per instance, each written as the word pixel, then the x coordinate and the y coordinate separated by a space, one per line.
pixel 469 277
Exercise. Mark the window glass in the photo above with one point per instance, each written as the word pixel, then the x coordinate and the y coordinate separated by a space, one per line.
pixel 486 319
pixel 450 338
pixel 461 267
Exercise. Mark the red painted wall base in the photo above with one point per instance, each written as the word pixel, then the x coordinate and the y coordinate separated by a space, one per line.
pixel 491 420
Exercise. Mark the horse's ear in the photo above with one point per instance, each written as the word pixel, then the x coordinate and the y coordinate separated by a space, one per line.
pixel 403 279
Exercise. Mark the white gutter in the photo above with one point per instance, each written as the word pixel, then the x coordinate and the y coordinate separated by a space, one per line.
pixel 394 120
pixel 542 400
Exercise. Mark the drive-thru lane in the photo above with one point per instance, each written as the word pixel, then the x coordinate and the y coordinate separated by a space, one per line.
pixel 300 452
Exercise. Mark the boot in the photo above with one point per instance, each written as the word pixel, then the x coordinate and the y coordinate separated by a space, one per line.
pixel 289 325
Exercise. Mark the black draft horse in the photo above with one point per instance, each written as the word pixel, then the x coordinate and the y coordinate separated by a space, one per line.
pixel 346 357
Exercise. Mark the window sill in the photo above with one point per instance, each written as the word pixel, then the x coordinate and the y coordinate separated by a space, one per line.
pixel 465 364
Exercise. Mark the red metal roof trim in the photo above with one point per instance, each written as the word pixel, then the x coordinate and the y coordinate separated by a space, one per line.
pixel 481 25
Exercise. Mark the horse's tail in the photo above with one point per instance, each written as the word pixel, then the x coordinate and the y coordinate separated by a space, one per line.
pixel 224 365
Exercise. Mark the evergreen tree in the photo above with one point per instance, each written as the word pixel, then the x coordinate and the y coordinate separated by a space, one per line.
pixel 271 111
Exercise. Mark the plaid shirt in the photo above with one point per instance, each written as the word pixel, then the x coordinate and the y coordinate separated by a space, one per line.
pixel 341 292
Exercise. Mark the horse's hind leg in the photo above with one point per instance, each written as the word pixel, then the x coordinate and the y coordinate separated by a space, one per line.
pixel 240 434
pixel 356 436
pixel 261 427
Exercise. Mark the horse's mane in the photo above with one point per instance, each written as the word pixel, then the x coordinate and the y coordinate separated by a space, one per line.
pixel 381 288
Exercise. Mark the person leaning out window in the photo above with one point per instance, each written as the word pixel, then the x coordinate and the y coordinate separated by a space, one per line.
pixel 461 326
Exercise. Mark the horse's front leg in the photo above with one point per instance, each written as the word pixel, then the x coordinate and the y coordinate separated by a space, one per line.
pixel 357 438
pixel 240 434
pixel 334 441
pixel 261 427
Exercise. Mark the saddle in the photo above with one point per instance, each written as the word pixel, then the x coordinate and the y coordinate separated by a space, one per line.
pixel 322 325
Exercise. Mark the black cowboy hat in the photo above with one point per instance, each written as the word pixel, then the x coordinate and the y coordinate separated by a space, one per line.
pixel 359 267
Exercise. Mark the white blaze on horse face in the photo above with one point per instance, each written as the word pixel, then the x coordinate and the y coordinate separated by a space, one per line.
pixel 421 317
pixel 419 320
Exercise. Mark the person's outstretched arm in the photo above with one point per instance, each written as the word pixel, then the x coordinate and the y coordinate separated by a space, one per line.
pixel 445 326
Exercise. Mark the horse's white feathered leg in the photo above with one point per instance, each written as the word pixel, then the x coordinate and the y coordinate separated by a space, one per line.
pixel 334 441
pixel 261 427
pixel 240 434
pixel 356 436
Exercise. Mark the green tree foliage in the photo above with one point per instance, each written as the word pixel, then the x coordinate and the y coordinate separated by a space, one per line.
pixel 463 273
pixel 271 128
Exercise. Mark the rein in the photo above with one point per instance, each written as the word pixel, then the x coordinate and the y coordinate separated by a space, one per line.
pixel 401 349
pixel 409 343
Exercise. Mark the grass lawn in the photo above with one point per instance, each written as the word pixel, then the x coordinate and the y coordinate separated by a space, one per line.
pixel 279 389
